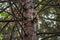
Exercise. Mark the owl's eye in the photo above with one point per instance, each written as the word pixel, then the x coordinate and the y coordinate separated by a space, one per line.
pixel 25 18
pixel 33 13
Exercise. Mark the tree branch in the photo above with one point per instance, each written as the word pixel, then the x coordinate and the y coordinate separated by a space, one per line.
pixel 50 36
pixel 4 9
pixel 48 33
pixel 44 6
pixel 10 20
pixel 4 26
pixel 12 32
pixel 3 1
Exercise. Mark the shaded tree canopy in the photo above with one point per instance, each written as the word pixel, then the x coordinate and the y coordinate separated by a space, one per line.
pixel 48 20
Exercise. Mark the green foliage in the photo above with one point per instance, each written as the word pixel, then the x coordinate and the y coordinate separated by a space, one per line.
pixel 3 15
pixel 1 36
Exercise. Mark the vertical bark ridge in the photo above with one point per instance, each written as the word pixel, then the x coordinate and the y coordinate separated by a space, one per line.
pixel 29 22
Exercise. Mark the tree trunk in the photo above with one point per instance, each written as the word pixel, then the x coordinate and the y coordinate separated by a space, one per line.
pixel 29 22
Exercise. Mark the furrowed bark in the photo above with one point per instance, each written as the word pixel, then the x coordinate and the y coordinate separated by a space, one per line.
pixel 29 21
